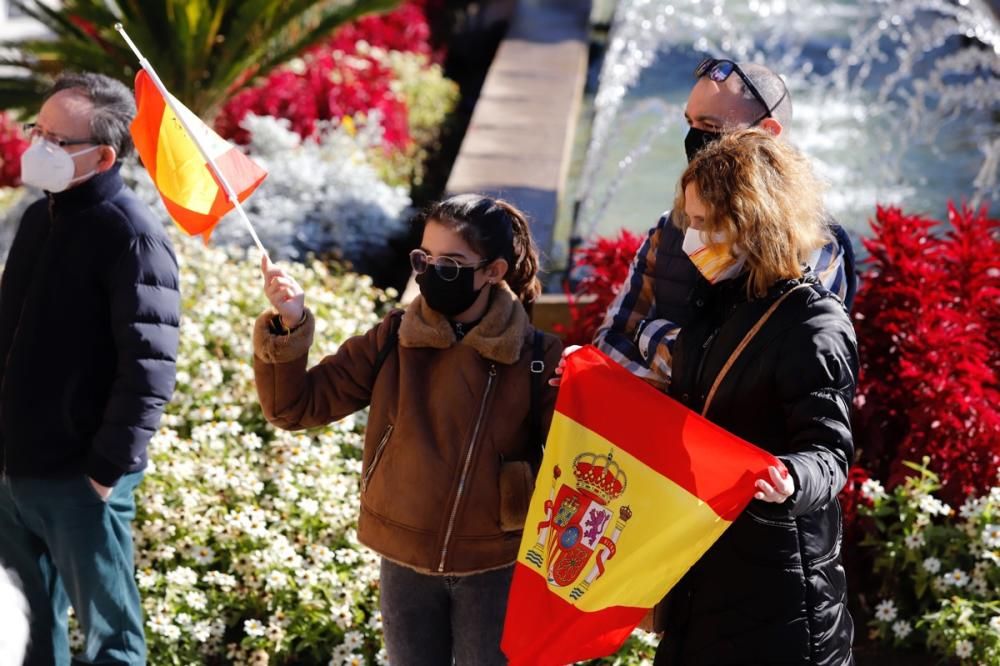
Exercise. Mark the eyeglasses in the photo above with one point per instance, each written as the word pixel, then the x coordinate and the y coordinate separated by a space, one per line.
pixel 719 70
pixel 448 269
pixel 36 133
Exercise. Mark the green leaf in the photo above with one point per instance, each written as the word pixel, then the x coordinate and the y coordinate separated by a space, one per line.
pixel 200 48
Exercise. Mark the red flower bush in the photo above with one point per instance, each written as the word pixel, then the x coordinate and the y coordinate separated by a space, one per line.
pixel 332 85
pixel 12 144
pixel 339 79
pixel 404 29
pixel 928 323
pixel 606 262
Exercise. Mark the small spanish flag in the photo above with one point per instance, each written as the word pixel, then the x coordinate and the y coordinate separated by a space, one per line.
pixel 193 197
pixel 634 488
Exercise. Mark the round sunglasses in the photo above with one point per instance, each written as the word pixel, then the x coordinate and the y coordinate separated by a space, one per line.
pixel 719 70
pixel 447 268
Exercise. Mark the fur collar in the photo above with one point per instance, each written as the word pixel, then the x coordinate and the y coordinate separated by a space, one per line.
pixel 498 337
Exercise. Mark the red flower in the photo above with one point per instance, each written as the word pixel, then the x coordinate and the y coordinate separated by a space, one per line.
pixel 12 144
pixel 928 323
pixel 606 262
pixel 338 80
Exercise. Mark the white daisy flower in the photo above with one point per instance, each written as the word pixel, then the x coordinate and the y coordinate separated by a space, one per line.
pixel 901 628
pixel 886 611
pixel 254 628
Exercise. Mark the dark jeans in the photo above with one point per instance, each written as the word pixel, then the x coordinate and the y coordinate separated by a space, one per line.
pixel 69 546
pixel 431 620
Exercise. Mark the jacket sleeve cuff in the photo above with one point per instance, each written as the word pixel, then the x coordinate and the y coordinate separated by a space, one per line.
pixel 272 347
pixel 102 470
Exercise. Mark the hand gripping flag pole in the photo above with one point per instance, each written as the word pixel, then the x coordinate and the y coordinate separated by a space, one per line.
pixel 182 118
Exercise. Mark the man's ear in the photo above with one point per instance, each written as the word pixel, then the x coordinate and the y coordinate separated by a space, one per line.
pixel 107 156
pixel 772 125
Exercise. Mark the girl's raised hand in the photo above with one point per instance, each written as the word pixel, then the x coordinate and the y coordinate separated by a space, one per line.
pixel 284 292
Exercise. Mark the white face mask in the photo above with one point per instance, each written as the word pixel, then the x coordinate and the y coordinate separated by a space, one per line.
pixel 47 166
pixel 715 263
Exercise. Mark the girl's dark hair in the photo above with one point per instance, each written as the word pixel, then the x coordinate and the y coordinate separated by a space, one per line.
pixel 494 229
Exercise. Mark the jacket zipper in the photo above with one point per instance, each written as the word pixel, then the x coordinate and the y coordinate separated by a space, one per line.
pixel 376 458
pixel 465 467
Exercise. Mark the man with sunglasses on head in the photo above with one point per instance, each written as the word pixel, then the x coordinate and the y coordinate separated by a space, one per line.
pixel 662 289
pixel 89 314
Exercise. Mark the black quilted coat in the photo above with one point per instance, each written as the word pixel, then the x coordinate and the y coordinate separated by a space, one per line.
pixel 772 589
pixel 89 313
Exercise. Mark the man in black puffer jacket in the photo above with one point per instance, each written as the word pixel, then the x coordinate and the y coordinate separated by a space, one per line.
pixel 89 314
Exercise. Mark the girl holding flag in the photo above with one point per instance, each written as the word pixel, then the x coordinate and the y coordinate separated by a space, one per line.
pixel 460 402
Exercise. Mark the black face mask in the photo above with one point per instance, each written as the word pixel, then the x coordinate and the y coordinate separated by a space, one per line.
pixel 697 139
pixel 449 298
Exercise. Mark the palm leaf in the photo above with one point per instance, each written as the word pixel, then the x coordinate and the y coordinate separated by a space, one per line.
pixel 202 49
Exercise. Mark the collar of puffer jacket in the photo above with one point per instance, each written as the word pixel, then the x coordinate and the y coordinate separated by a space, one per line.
pixel 498 337
pixel 99 187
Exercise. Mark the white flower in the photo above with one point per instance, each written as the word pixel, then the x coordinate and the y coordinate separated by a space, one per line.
pixel 277 580
pixel 971 508
pixel 309 506
pixel 932 565
pixel 182 577
pixel 915 540
pixel 254 628
pixel 146 579
pixel 275 632
pixel 963 649
pixel 991 536
pixel 901 628
pixel 196 599
pixel 202 631
pixel 933 505
pixel 353 640
pixel 160 624
pixel 979 586
pixel 872 490
pixel 995 623
pixel 223 580
pixel 885 611
pixel 201 555
pixel 956 578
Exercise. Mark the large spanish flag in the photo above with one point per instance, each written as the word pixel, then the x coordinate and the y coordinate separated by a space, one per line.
pixel 633 489
pixel 193 197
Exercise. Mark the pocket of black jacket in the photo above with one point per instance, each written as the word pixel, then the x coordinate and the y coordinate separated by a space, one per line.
pixel 377 458
pixel 517 482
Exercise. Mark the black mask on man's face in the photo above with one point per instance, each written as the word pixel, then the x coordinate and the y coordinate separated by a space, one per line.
pixel 697 139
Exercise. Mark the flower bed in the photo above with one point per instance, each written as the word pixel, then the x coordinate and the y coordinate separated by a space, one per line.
pixel 245 541
pixel 939 568
pixel 378 69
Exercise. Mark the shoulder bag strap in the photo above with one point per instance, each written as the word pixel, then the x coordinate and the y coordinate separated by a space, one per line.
pixel 743 344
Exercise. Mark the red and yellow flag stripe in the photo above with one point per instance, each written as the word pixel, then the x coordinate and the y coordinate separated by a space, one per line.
pixel 194 198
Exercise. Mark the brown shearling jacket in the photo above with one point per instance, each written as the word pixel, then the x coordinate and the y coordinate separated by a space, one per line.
pixel 443 487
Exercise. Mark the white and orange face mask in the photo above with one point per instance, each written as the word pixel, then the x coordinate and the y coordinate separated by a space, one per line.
pixel 717 262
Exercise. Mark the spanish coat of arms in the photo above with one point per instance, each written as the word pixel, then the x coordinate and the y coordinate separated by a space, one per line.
pixel 579 525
